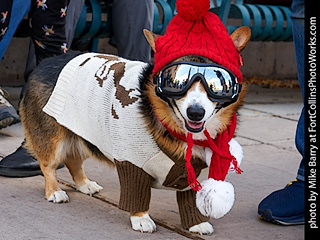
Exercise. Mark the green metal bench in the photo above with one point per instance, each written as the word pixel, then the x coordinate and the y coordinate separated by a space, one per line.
pixel 267 22
pixel 163 13
pixel 95 19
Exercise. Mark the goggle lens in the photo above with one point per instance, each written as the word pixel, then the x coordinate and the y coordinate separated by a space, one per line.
pixel 176 78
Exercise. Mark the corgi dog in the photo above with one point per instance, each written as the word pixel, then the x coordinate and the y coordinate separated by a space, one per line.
pixel 100 106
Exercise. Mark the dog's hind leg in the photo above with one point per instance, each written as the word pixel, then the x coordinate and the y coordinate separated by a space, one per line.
pixel 74 158
pixel 83 184
pixel 191 218
pixel 44 149
pixel 49 158
pixel 42 142
pixel 53 192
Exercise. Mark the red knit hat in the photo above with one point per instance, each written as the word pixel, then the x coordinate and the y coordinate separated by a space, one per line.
pixel 194 30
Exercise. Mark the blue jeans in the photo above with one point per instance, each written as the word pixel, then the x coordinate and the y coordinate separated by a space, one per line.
pixel 19 9
pixel 297 17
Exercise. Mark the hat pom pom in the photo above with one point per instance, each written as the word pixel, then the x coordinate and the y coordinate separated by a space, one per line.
pixel 192 10
pixel 215 199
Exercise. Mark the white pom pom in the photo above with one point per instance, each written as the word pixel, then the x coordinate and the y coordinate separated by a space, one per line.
pixel 215 199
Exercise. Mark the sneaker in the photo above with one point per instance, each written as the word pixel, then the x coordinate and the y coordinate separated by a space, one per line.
pixel 285 206
pixel 8 114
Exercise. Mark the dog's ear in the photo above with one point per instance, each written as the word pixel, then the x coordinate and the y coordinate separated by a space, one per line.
pixel 151 38
pixel 240 37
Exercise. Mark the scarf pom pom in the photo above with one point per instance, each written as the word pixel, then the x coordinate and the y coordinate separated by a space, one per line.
pixel 215 199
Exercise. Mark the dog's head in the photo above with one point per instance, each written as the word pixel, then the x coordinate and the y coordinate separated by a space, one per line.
pixel 196 92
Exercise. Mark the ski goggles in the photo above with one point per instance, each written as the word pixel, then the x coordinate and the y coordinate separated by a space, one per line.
pixel 176 79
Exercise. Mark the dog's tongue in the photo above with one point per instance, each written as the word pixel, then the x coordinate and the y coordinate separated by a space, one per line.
pixel 195 125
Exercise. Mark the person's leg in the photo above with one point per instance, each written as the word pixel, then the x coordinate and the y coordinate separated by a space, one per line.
pixel 20 163
pixel 5 16
pixel 298 35
pixel 286 206
pixel 47 23
pixel 128 21
pixel 74 11
pixel 11 14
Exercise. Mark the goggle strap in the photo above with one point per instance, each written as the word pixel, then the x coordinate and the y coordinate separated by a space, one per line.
pixel 164 98
pixel 218 108
pixel 155 79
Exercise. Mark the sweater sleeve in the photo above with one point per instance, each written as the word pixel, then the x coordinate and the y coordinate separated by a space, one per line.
pixel 135 187
pixel 189 213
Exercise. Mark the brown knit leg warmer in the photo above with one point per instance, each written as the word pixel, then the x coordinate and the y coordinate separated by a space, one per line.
pixel 135 187
pixel 189 212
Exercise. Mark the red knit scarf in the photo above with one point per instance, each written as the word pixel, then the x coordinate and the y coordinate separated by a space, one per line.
pixel 221 157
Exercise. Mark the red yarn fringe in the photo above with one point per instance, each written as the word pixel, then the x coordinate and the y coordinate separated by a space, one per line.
pixel 192 179
pixel 236 167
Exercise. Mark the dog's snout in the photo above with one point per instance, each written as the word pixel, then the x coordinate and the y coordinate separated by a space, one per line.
pixel 195 113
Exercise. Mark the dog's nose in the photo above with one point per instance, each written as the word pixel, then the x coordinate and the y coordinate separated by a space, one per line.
pixel 195 113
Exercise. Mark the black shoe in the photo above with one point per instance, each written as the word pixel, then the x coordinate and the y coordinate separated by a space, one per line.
pixel 20 164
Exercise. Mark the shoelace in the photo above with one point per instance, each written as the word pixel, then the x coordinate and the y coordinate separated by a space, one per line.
pixel 3 96
pixel 290 183
pixel 4 93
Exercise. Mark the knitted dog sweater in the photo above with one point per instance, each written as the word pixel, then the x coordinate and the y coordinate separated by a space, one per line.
pixel 97 97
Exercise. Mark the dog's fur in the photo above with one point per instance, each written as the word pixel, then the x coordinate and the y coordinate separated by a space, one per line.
pixel 52 143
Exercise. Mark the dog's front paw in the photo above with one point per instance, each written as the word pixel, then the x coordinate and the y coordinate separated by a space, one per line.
pixel 204 228
pixel 59 197
pixel 90 187
pixel 143 224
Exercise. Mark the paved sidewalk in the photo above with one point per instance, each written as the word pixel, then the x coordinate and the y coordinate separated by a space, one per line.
pixel 266 130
